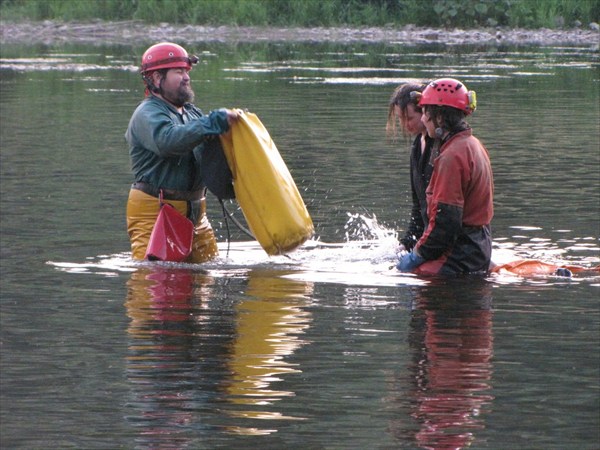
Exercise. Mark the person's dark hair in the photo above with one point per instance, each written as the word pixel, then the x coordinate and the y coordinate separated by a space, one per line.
pixel 147 77
pixel 447 118
pixel 401 97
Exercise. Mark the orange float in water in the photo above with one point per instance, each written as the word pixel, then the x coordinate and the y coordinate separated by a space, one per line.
pixel 532 267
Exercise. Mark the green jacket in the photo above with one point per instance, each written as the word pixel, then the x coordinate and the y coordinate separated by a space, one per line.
pixel 166 147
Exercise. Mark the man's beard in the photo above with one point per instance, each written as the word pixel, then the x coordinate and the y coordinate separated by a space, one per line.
pixel 184 94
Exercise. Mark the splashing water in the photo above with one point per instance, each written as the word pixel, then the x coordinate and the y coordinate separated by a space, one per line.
pixel 367 257
pixel 360 227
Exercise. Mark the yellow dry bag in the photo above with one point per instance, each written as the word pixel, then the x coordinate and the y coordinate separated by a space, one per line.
pixel 264 187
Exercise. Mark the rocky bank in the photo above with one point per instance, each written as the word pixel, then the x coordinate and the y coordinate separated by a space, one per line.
pixel 125 33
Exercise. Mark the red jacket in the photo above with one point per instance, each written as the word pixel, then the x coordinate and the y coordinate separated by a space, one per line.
pixel 460 209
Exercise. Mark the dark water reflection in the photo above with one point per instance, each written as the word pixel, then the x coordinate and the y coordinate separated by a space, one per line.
pixel 325 349
pixel 451 342
pixel 198 362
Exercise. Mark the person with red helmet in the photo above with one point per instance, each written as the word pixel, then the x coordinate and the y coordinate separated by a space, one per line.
pixel 457 238
pixel 167 137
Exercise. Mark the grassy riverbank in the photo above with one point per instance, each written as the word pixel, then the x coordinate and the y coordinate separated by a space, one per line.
pixel 316 13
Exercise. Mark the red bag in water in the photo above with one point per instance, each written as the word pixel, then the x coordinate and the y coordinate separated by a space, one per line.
pixel 172 236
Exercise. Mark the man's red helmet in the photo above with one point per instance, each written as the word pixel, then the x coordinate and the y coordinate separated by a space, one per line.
pixel 166 55
pixel 449 92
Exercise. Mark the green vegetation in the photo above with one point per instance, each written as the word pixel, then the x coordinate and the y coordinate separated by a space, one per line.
pixel 312 13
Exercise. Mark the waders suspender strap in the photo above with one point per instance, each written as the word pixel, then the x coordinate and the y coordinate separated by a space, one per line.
pixel 228 215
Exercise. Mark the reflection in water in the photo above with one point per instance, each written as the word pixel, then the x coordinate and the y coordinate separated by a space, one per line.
pixel 452 346
pixel 187 358
pixel 175 354
pixel 268 327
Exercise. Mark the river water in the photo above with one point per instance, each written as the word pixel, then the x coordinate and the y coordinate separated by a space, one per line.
pixel 327 348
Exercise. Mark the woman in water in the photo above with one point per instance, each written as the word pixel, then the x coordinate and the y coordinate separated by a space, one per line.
pixel 405 111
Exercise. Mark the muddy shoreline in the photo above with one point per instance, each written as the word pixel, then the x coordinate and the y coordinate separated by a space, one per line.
pixel 133 32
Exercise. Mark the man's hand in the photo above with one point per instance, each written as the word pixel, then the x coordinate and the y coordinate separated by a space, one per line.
pixel 233 116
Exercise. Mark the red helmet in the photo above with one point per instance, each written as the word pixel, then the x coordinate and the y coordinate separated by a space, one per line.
pixel 449 92
pixel 166 55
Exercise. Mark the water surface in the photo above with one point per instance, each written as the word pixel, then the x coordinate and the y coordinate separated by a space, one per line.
pixel 329 347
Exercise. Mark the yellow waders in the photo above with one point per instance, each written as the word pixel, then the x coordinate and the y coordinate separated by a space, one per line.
pixel 142 211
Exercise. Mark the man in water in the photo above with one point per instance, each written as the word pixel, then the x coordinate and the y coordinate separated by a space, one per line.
pixel 167 136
